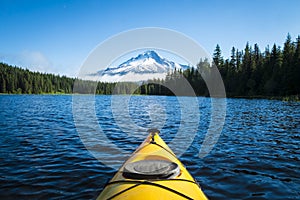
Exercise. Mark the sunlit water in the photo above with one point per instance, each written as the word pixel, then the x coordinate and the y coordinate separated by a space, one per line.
pixel 42 155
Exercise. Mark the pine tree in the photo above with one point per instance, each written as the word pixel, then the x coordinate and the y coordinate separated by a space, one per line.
pixel 238 60
pixel 217 56
pixel 233 60
pixel 245 72
pixel 297 67
pixel 288 66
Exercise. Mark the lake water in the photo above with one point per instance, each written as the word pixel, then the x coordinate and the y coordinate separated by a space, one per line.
pixel 44 154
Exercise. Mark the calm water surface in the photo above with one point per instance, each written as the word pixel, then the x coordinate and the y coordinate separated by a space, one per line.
pixel 42 156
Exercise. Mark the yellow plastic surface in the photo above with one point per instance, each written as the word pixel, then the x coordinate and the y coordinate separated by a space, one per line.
pixel 146 189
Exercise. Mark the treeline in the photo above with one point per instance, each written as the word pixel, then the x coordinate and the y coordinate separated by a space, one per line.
pixel 15 80
pixel 275 72
pixel 249 72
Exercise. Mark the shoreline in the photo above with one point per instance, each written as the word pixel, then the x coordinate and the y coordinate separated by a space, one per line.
pixel 293 98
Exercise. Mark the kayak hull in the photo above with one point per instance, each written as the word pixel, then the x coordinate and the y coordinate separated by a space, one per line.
pixel 179 185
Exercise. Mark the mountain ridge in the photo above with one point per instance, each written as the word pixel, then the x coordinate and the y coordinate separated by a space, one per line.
pixel 145 66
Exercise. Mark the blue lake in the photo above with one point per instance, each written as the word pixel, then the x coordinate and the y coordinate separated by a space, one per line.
pixel 49 150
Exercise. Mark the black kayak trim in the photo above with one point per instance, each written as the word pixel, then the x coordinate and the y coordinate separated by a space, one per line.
pixel 121 192
pixel 138 183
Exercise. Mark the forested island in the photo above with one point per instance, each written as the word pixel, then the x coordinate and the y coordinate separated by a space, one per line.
pixel 274 72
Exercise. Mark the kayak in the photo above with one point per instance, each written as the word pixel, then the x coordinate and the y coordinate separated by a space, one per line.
pixel 152 172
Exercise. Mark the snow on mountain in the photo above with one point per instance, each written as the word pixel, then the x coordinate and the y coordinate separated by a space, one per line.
pixel 148 65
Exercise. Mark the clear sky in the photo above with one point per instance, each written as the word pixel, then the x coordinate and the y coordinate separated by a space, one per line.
pixel 56 36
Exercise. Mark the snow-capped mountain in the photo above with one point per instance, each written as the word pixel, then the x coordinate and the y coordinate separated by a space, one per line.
pixel 148 65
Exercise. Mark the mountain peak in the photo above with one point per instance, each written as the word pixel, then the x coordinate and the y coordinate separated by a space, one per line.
pixel 150 54
pixel 146 55
pixel 145 66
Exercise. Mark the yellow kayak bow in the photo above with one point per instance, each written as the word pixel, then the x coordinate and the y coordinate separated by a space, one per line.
pixel 152 172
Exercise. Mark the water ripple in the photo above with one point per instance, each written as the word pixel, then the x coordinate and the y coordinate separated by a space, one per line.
pixel 42 156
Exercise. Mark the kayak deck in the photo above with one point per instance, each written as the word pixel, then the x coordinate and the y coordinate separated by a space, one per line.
pixel 152 172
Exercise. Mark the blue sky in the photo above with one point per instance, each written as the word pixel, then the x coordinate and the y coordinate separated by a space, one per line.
pixel 56 36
